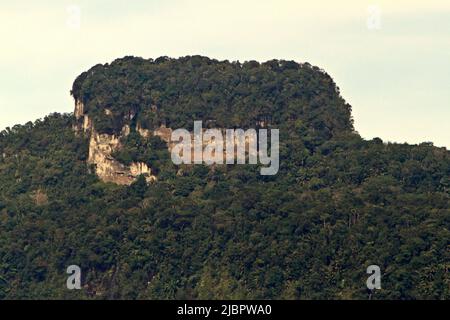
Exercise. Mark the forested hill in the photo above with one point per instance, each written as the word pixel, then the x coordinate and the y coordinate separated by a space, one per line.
pixel 337 205
pixel 175 92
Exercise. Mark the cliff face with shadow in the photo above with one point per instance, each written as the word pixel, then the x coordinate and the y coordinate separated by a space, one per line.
pixel 103 145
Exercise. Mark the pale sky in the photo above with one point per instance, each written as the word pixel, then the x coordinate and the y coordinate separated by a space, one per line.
pixel 391 59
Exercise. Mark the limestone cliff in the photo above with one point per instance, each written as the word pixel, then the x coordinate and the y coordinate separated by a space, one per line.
pixel 83 122
pixel 101 148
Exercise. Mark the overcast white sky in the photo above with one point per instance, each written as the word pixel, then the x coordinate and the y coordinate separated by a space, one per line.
pixel 394 71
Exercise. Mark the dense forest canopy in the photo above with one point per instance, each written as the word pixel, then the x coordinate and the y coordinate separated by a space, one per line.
pixel 175 92
pixel 338 204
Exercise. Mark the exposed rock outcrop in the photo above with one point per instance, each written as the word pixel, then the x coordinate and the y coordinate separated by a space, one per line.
pixel 79 109
pixel 101 148
pixel 164 133
pixel 143 132
pixel 83 122
pixel 40 197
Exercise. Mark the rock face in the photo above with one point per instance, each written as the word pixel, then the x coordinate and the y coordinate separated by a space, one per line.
pixel 84 123
pixel 79 109
pixel 101 148
pixel 143 132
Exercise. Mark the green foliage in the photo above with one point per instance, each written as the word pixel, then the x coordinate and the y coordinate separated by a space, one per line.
pixel 176 92
pixel 337 205
pixel 152 151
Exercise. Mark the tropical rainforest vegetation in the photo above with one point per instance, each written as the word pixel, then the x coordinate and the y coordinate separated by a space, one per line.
pixel 337 205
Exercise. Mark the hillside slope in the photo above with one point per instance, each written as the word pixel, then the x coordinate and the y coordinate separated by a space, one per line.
pixel 337 205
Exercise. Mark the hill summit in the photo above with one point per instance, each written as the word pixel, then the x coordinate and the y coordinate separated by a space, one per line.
pixel 154 97
pixel 139 226
pixel 174 92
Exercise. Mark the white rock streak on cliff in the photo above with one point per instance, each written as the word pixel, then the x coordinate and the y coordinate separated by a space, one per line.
pixel 101 148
